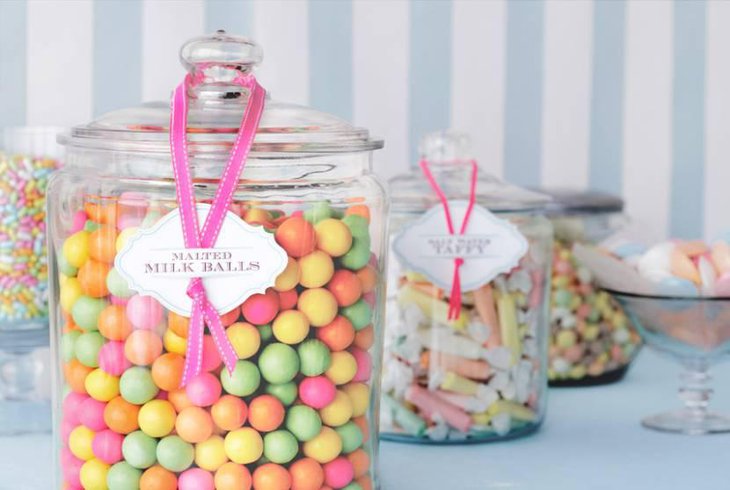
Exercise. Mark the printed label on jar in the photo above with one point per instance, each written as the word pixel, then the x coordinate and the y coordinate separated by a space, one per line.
pixel 246 260
pixel 490 246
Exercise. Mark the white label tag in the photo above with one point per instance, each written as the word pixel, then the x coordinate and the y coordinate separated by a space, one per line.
pixel 246 260
pixel 490 246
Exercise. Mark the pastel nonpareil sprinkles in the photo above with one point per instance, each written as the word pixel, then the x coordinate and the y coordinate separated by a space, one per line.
pixel 23 268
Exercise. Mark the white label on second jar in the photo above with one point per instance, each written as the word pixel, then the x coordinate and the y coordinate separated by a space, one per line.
pixel 490 246
pixel 246 260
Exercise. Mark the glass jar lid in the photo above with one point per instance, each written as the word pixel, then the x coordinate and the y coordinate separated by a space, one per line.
pixel 216 106
pixel 448 153
pixel 571 201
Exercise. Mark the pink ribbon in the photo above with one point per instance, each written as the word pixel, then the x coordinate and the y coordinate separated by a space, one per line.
pixel 455 296
pixel 203 311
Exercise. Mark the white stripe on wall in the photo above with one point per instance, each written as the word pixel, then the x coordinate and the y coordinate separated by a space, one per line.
pixel 59 46
pixel 478 75
pixel 647 116
pixel 566 96
pixel 165 27
pixel 281 27
pixel 380 79
pixel 717 121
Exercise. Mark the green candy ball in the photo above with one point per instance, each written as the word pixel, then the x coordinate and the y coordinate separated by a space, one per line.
pixel 360 314
pixel 280 446
pixel 244 380
pixel 351 436
pixel 314 357
pixel 86 310
pixel 139 450
pixel 304 422
pixel 278 363
pixel 318 212
pixel 353 486
pixel 174 454
pixel 359 254
pixel 266 333
pixel 123 476
pixel 137 386
pixel 358 225
pixel 64 267
pixel 68 341
pixel 87 347
pixel 91 226
pixel 285 392
pixel 117 285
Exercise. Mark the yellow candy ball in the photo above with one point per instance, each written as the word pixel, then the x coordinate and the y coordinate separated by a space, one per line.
pixel 325 447
pixel 245 339
pixel 76 248
pixel 343 368
pixel 156 418
pixel 70 292
pixel 211 454
pixel 289 278
pixel 124 237
pixel 93 475
pixel 333 237
pixel 315 269
pixel 62 278
pixel 291 327
pixel 79 442
pixel 338 412
pixel 319 305
pixel 174 343
pixel 359 394
pixel 244 446
pixel 101 385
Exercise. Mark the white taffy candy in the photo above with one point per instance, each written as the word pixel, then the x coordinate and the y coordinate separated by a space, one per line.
pixel 560 365
pixel 445 340
pixel 435 378
pixel 478 331
pixel 397 377
pixel 520 280
pixel 413 318
pixel 408 348
pixel 509 392
pixel 486 396
pixel 656 261
pixel 501 423
pixel 499 357
pixel 529 347
pixel 499 381
pixel 457 435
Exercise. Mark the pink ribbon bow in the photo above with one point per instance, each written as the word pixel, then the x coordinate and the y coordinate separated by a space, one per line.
pixel 203 311
pixel 455 296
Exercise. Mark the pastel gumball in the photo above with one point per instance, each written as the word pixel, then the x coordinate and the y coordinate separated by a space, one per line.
pixel 195 479
pixel 144 312
pixel 317 392
pixel 79 220
pixel 682 266
pixel 260 309
pixel 116 300
pixel 364 364
pixel 721 257
pixel 203 390
pixel 67 427
pixel 71 469
pixel 107 446
pixel 70 406
pixel 339 472
pixel 112 359
pixel 91 414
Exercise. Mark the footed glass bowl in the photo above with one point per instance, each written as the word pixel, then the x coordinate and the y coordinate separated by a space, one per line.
pixel 696 333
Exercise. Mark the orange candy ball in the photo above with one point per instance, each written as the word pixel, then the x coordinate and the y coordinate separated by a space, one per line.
pixel 157 478
pixel 265 413
pixel 113 323
pixel 296 236
pixel 368 277
pixel 346 287
pixel 365 482
pixel 232 476
pixel 103 244
pixel 365 337
pixel 360 462
pixel 179 399
pixel 288 299
pixel 229 412
pixel 271 476
pixel 167 371
pixel 92 278
pixel 359 210
pixel 362 423
pixel 178 324
pixel 337 335
pixel 194 424
pixel 229 318
pixel 121 416
pixel 306 474
pixel 75 374
pixel 142 347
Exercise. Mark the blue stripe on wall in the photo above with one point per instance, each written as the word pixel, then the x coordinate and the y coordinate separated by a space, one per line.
pixel 429 70
pixel 12 63
pixel 117 69
pixel 330 56
pixel 523 94
pixel 606 143
pixel 234 16
pixel 688 117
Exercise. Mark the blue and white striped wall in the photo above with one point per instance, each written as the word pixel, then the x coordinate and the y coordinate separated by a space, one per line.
pixel 630 97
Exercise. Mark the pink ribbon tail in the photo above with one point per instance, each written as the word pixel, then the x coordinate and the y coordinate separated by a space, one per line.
pixel 455 297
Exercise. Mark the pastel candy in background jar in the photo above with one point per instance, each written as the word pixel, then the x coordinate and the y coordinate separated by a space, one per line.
pixel 292 414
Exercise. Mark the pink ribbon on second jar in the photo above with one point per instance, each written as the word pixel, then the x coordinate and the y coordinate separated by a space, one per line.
pixel 203 311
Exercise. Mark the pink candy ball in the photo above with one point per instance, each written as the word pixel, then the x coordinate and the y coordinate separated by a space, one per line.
pixel 70 407
pixel 91 414
pixel 115 300
pixel 211 357
pixel 66 427
pixel 203 390
pixel 339 472
pixel 260 309
pixel 195 479
pixel 107 446
pixel 79 221
pixel 131 210
pixel 71 468
pixel 369 298
pixel 144 312
pixel 317 392
pixel 112 359
pixel 364 364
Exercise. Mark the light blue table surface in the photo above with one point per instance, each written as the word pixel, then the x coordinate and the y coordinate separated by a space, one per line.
pixel 591 440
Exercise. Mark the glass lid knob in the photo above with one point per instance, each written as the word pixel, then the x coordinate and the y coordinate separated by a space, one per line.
pixel 446 147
